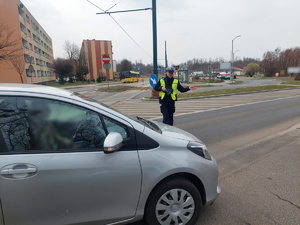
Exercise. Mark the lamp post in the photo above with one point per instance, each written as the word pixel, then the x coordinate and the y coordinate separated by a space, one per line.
pixel 233 61
pixel 231 74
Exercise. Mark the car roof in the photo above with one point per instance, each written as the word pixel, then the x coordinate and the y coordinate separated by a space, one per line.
pixel 33 88
pixel 52 91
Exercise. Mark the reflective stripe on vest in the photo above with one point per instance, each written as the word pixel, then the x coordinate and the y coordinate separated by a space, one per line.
pixel 174 89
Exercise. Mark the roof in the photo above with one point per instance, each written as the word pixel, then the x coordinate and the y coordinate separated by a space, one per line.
pixel 238 69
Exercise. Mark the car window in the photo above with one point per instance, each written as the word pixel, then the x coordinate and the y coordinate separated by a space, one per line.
pixel 114 126
pixel 34 124
pixel 13 124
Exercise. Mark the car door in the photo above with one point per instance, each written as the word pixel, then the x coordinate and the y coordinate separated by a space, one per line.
pixel 53 170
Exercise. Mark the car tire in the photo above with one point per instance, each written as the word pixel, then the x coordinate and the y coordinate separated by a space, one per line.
pixel 175 201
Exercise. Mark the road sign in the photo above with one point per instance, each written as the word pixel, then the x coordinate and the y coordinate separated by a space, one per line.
pixel 138 69
pixel 30 69
pixel 153 80
pixel 159 68
pixel 105 58
pixel 106 66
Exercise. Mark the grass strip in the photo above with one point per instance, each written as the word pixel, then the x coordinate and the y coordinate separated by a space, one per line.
pixel 291 82
pixel 235 90
pixel 77 83
pixel 121 88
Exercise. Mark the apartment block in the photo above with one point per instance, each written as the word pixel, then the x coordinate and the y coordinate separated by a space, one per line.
pixel 93 52
pixel 33 57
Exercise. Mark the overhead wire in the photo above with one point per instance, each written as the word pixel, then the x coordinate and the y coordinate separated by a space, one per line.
pixel 120 25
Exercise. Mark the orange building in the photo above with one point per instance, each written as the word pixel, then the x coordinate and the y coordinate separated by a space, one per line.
pixel 31 63
pixel 93 51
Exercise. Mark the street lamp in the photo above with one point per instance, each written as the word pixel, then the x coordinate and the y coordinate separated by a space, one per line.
pixel 231 74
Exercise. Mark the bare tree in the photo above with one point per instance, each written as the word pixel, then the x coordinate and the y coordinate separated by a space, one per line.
pixel 81 68
pixel 269 63
pixel 125 65
pixel 8 46
pixel 72 50
pixel 18 64
pixel 274 61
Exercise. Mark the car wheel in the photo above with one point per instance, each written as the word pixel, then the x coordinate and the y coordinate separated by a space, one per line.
pixel 175 201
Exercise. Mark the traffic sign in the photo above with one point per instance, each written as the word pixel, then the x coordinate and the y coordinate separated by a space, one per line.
pixel 153 80
pixel 105 58
pixel 106 66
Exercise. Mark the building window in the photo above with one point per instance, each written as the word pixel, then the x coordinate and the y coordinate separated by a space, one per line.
pixel 36 39
pixel 37 50
pixel 29 33
pixel 35 27
pixel 27 19
pixel 25 44
pixel 21 12
pixel 23 28
pixel 27 58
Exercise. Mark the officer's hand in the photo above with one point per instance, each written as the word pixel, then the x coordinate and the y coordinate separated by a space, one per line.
pixel 192 88
pixel 164 89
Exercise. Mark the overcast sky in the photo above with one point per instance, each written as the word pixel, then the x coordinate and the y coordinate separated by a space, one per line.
pixel 191 28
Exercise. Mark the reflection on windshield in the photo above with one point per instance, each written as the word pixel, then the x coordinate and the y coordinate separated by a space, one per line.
pixel 138 119
pixel 107 106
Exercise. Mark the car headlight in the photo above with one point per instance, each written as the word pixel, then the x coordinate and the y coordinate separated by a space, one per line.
pixel 199 148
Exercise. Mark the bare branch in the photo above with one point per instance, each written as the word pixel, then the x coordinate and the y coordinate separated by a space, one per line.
pixel 18 63
pixel 8 46
pixel 72 50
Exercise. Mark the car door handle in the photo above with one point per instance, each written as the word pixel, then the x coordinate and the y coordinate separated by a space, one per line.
pixel 19 171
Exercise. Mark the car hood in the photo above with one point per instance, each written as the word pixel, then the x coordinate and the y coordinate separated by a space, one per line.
pixel 174 132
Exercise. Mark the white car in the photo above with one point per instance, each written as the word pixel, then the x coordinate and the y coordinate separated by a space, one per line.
pixel 66 160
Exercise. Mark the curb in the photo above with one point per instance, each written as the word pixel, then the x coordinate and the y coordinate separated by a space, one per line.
pixel 221 95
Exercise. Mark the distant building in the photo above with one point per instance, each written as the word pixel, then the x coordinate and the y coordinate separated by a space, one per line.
pixel 33 43
pixel 238 71
pixel 93 51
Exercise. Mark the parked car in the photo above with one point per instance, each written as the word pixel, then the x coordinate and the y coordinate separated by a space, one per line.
pixel 224 76
pixel 67 160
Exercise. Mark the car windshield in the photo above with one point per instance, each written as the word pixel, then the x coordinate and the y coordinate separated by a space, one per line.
pixel 138 119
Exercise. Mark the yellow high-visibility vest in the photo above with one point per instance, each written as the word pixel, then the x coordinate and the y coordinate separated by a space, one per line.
pixel 174 89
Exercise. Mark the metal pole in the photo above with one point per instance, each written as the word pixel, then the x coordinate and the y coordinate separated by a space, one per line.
pixel 166 59
pixel 231 69
pixel 154 94
pixel 154 37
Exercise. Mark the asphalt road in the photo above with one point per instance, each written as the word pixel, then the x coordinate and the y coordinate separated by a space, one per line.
pixel 257 147
pixel 108 96
pixel 233 127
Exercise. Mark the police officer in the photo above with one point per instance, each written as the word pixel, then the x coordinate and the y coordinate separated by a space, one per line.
pixel 167 88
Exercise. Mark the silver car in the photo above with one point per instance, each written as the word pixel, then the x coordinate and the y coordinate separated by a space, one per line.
pixel 66 160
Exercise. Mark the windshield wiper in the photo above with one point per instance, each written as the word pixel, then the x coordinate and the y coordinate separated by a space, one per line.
pixel 149 124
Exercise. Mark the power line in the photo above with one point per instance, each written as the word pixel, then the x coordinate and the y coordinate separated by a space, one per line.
pixel 105 12
pixel 130 36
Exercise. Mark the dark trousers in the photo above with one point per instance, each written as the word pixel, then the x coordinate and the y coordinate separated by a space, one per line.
pixel 168 110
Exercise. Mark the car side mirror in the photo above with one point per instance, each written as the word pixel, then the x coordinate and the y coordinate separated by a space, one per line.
pixel 113 142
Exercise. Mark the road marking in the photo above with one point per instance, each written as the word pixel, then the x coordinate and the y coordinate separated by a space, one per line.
pixel 151 109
